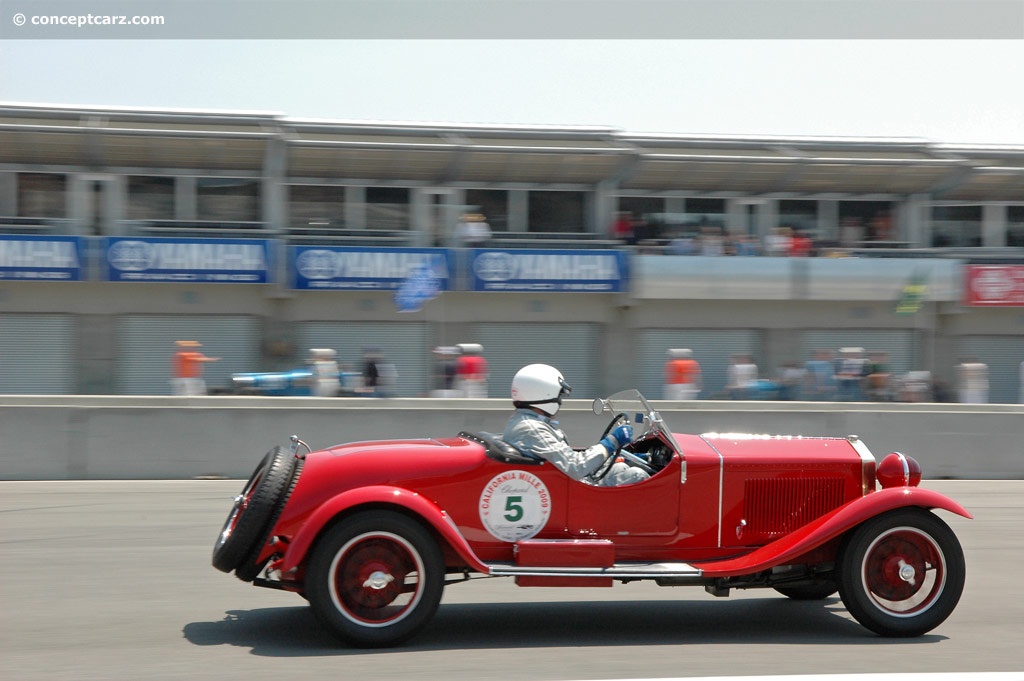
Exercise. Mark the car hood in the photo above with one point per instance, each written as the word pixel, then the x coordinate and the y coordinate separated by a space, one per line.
pixel 780 448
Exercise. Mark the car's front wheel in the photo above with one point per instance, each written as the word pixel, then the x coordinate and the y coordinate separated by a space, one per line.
pixel 902 573
pixel 376 579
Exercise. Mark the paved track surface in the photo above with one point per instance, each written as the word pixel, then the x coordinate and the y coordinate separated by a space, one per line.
pixel 112 580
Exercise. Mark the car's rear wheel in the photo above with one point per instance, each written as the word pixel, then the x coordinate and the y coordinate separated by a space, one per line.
pixel 902 573
pixel 253 511
pixel 376 578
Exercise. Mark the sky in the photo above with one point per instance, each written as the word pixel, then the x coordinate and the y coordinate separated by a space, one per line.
pixel 943 91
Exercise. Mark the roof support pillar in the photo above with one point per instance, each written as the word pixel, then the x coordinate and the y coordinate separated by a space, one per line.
pixel 185 201
pixel 913 221
pixel 9 194
pixel 602 205
pixel 355 207
pixel 518 210
pixel 993 224
pixel 274 191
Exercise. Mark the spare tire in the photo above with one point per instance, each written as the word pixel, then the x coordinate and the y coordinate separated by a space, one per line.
pixel 254 510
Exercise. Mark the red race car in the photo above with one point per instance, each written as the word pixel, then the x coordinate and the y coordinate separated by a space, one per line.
pixel 371 532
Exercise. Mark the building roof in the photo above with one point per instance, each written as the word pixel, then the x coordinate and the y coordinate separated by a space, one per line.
pixel 239 143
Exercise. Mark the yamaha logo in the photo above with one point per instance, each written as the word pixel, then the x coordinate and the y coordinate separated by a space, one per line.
pixel 317 264
pixel 494 266
pixel 131 256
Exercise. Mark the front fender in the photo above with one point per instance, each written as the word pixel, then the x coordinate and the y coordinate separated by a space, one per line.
pixel 828 527
pixel 378 494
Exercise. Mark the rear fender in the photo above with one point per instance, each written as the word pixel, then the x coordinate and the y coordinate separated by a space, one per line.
pixel 828 527
pixel 378 495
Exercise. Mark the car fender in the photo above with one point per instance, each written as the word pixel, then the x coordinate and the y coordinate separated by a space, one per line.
pixel 827 527
pixel 377 495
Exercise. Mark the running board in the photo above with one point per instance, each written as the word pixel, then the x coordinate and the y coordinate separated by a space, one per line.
pixel 617 571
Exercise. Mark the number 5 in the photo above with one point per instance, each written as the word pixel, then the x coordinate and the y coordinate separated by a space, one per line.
pixel 513 508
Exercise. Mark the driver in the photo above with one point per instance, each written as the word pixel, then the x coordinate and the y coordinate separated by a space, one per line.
pixel 537 392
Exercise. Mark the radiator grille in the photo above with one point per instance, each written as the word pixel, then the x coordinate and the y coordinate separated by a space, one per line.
pixel 775 506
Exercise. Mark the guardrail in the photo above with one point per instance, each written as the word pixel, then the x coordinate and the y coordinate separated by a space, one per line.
pixel 101 437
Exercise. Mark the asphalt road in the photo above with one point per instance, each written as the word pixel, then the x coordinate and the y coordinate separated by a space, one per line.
pixel 112 580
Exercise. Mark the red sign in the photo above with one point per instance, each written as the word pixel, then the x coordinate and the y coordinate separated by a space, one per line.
pixel 994 285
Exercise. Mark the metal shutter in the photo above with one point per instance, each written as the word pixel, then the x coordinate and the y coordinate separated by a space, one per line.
pixel 712 349
pixel 898 343
pixel 37 354
pixel 406 345
pixel 146 348
pixel 1003 355
pixel 572 348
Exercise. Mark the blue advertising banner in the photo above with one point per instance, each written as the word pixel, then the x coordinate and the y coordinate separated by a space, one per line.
pixel 196 261
pixel 354 268
pixel 545 270
pixel 41 258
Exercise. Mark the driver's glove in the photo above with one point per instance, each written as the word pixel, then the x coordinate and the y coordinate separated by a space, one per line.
pixel 617 439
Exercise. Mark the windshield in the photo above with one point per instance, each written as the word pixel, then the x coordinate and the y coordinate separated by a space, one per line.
pixel 642 415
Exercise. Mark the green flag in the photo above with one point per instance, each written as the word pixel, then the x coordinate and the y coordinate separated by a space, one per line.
pixel 913 293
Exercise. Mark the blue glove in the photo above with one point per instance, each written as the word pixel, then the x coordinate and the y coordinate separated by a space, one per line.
pixel 617 439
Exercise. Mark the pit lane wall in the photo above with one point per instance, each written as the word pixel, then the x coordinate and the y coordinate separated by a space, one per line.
pixel 101 437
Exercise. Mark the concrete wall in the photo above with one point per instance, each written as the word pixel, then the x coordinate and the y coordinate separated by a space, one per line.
pixel 89 438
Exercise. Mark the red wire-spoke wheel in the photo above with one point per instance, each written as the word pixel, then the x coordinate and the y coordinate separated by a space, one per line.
pixel 902 573
pixel 376 578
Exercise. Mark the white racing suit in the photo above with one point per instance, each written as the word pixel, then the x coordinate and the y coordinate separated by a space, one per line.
pixel 538 435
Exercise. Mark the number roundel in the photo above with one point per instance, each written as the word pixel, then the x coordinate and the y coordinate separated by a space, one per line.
pixel 515 505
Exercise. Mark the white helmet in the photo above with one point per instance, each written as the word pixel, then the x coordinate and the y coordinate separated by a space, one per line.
pixel 541 386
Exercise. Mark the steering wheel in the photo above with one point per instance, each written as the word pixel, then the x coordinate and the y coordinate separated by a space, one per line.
pixel 630 457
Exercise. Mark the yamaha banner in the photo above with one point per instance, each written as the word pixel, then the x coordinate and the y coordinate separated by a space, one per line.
pixel 42 258
pixel 196 261
pixel 355 268
pixel 591 271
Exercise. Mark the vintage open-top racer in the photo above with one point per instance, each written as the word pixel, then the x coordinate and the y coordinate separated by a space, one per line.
pixel 371 532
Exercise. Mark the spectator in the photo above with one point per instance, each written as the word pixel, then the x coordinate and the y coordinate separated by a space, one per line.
pixel 444 379
pixel 379 376
pixel 747 245
pixel 777 243
pixel 712 243
pixel 682 375
pixel 972 381
pixel 472 231
pixel 471 371
pixel 851 232
pixel 791 377
pixel 741 377
pixel 850 372
pixel 819 376
pixel 323 362
pixel 800 245
pixel 877 381
pixel 682 244
pixel 188 368
pixel 622 228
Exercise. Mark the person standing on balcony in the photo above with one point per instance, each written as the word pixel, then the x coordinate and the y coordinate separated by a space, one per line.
pixel 473 231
